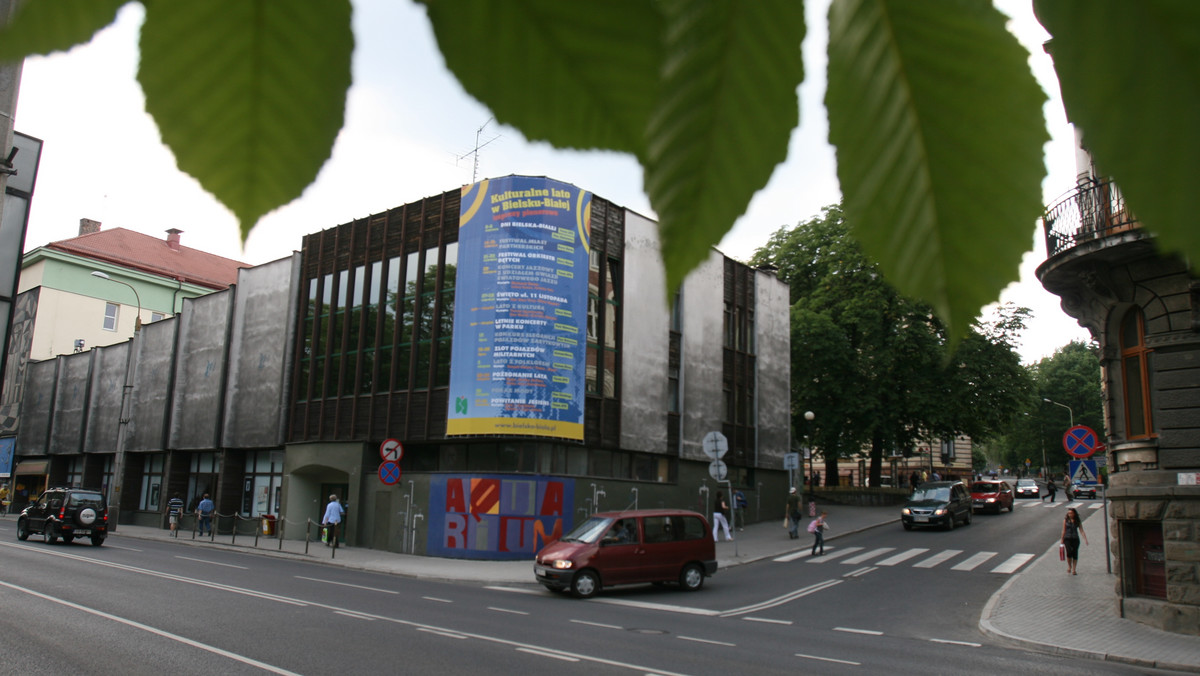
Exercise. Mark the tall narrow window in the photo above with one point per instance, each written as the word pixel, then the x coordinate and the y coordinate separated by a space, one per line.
pixel 111 312
pixel 1135 373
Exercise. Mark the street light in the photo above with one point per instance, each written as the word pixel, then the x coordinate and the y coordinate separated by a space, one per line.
pixel 1069 411
pixel 137 322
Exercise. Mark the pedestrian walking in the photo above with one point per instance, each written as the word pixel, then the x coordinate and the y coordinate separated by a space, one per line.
pixel 174 513
pixel 721 516
pixel 817 527
pixel 914 481
pixel 1072 530
pixel 205 511
pixel 792 513
pixel 1051 488
pixel 333 516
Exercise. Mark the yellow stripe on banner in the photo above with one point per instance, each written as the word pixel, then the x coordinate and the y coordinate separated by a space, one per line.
pixel 522 426
pixel 466 216
pixel 583 220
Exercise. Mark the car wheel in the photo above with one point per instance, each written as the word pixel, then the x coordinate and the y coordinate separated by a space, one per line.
pixel 951 522
pixel 586 584
pixel 1011 506
pixel 692 577
pixel 968 520
pixel 908 526
pixel 50 535
pixel 22 530
pixel 97 541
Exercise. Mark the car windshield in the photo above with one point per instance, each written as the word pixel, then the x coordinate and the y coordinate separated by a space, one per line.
pixel 982 487
pixel 1026 482
pixel 589 531
pixel 940 494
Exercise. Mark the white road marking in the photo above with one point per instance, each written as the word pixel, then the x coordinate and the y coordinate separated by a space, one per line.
pixel 346 584
pixel 828 659
pixel 974 562
pixel 356 616
pixel 1013 563
pixel 645 605
pixel 860 572
pixel 902 556
pixel 213 563
pixel 506 610
pixel 967 644
pixel 797 555
pixel 767 620
pixel 780 600
pixel 434 598
pixel 540 653
pixel 598 624
pixel 157 632
pixel 441 632
pixel 868 555
pixel 827 556
pixel 940 557
pixel 868 632
pixel 708 641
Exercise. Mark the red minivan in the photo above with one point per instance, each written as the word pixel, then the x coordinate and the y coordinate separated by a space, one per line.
pixel 615 548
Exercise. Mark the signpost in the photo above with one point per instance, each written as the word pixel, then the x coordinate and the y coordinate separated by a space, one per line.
pixel 1080 441
pixel 715 446
pixel 389 473
pixel 391 450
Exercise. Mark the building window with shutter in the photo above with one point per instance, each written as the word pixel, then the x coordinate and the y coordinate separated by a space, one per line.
pixel 1136 376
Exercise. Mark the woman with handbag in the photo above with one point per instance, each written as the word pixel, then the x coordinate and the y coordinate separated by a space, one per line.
pixel 1072 530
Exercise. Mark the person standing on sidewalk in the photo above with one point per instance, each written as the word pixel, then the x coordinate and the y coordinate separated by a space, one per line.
pixel 174 512
pixel 1072 530
pixel 721 516
pixel 817 528
pixel 333 516
pixel 205 510
pixel 792 513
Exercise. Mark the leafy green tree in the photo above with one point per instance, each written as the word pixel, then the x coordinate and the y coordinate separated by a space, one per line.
pixel 934 113
pixel 874 366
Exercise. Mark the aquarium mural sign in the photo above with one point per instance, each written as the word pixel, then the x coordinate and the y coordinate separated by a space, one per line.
pixel 496 517
pixel 520 310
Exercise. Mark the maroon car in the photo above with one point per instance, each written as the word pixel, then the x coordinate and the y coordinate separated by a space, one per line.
pixel 991 496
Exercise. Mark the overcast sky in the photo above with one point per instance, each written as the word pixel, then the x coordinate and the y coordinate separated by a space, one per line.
pixel 409 133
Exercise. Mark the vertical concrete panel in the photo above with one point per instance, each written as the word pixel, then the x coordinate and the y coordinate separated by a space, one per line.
pixel 34 433
pixel 260 354
pixel 645 340
pixel 772 344
pixel 153 355
pixel 104 404
pixel 70 397
pixel 702 350
pixel 196 405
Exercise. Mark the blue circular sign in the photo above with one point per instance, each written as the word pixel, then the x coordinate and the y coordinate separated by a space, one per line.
pixel 1080 441
pixel 389 472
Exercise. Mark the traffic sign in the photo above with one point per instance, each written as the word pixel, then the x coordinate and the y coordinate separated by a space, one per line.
pixel 718 470
pixel 389 473
pixel 391 450
pixel 1080 441
pixel 791 461
pixel 715 445
pixel 1084 472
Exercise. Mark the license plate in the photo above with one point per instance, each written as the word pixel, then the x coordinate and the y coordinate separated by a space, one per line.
pixel 921 519
pixel 82 531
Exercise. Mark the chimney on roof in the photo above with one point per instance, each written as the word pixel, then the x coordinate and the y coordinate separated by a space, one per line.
pixel 87 226
pixel 173 238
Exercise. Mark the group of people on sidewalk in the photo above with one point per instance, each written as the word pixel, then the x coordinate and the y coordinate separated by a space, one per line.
pixel 204 512
pixel 818 526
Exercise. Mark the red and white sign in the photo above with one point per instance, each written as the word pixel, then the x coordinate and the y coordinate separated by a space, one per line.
pixel 391 450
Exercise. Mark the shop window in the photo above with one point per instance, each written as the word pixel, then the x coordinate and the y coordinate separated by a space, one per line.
pixel 152 480
pixel 1136 376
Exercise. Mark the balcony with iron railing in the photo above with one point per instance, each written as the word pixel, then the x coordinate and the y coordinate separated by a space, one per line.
pixel 1095 209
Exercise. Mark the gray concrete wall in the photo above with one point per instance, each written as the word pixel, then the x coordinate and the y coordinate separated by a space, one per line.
pixel 154 356
pixel 198 395
pixel 703 342
pixel 104 406
pixel 70 399
pixel 34 434
pixel 773 359
pixel 645 340
pixel 264 315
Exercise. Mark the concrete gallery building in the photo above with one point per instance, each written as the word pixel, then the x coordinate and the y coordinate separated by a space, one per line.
pixel 1143 308
pixel 471 374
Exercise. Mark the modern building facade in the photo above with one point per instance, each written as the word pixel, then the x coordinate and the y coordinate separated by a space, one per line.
pixel 1143 308
pixel 467 380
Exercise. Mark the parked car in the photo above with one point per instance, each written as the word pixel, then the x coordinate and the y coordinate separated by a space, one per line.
pixel 992 496
pixel 629 547
pixel 1084 491
pixel 1028 488
pixel 66 513
pixel 937 503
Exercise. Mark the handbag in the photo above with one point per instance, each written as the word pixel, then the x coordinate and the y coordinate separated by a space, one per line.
pixel 1062 552
pixel 785 522
pixel 812 526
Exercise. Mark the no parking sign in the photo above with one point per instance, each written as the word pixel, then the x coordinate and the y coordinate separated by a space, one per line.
pixel 1080 441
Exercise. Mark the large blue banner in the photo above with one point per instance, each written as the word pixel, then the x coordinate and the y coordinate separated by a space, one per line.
pixel 7 445
pixel 520 309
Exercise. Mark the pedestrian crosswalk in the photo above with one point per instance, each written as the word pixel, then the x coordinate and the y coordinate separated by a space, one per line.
pixel 1091 504
pixel 916 557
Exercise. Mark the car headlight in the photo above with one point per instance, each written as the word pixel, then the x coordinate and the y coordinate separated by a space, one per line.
pixel 940 511
pixel 562 564
pixel 991 499
pixel 906 511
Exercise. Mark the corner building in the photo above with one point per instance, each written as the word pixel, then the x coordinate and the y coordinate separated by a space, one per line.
pixel 516 338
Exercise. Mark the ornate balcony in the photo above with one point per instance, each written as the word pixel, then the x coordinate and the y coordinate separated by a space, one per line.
pixel 1093 210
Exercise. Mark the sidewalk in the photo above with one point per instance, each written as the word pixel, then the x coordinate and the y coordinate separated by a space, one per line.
pixel 1040 608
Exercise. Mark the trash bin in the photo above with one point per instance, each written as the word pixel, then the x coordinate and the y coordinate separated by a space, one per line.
pixel 268 524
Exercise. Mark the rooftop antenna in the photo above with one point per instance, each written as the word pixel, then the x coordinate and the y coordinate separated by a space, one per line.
pixel 478 147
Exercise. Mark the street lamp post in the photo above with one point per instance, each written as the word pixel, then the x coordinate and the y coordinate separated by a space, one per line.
pixel 137 322
pixel 1070 413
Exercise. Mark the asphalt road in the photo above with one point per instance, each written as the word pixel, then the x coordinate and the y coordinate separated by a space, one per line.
pixel 872 604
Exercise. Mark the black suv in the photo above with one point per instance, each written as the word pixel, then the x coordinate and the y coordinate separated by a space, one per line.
pixel 66 513
pixel 937 503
